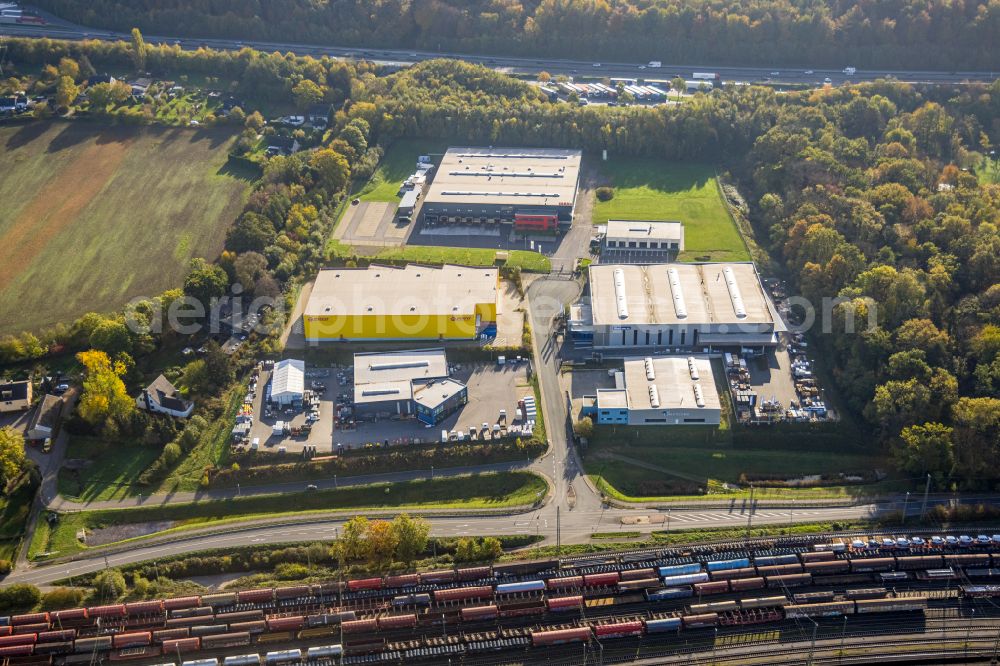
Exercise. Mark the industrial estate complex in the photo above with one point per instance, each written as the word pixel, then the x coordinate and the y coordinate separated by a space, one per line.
pixel 658 391
pixel 644 235
pixel 411 303
pixel 534 189
pixel 676 306
pixel 410 383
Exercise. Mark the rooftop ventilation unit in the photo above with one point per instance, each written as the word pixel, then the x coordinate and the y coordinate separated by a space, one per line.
pixel 734 293
pixel 699 398
pixel 692 368
pixel 620 296
pixel 398 365
pixel 650 374
pixel 654 397
pixel 680 307
pixel 380 391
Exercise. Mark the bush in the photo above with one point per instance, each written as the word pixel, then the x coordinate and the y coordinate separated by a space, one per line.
pixel 605 193
pixel 5 567
pixel 62 597
pixel 19 597
pixel 110 585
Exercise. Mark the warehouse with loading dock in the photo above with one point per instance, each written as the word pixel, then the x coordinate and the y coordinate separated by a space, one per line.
pixel 410 383
pixel 658 391
pixel 533 189
pixel 711 306
pixel 410 303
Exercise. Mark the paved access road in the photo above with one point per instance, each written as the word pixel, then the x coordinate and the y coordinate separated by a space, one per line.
pixel 59 29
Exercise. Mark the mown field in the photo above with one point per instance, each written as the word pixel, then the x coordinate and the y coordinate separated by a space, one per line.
pixel 95 215
pixel 646 189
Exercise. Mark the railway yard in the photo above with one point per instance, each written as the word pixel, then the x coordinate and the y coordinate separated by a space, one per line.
pixel 663 605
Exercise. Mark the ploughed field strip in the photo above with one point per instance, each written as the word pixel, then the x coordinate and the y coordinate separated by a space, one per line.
pixel 518 608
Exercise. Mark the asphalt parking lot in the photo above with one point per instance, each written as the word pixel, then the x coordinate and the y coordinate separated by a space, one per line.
pixel 620 256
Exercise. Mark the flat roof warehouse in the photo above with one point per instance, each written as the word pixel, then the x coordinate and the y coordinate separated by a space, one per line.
pixel 506 177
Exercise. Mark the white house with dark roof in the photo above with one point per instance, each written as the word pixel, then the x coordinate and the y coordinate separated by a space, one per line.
pixel 45 419
pixel 161 397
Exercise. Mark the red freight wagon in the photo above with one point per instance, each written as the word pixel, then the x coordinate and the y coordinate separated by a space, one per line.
pixel 260 596
pixel 638 574
pixel 254 627
pixel 740 584
pixel 601 579
pixel 68 615
pixel 389 622
pixel 438 577
pixel 564 603
pixel 716 587
pixel 294 592
pixel 144 608
pixel 563 583
pixel 293 623
pixel 700 621
pixel 920 562
pixel 403 580
pixel 31 628
pixel 779 570
pixel 181 602
pixel 29 618
pixel 462 593
pixel 181 646
pixel 828 567
pixel 6 631
pixel 132 639
pixel 184 621
pixel 729 574
pixel 817 556
pixel 56 636
pixel 479 613
pixel 16 650
pixel 473 573
pixel 560 636
pixel 112 610
pixel 360 626
pixel 18 639
pixel 161 635
pixel 619 629
pixel 240 616
pixel 364 584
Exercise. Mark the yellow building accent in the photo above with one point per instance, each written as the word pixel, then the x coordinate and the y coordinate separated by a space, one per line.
pixel 393 327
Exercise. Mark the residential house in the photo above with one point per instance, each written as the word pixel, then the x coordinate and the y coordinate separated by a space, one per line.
pixel 100 78
pixel 45 420
pixel 162 397
pixel 15 396
pixel 281 145
pixel 319 115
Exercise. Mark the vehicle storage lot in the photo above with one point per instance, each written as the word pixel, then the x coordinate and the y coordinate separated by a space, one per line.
pixel 319 437
pixel 491 388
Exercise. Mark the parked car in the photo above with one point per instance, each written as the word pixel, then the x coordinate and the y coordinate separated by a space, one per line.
pixel 937 541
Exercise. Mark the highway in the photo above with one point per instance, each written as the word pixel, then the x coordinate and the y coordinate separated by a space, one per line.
pixel 59 29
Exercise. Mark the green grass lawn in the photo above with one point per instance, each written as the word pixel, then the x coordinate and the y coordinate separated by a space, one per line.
pixel 110 475
pixel 532 262
pixel 14 510
pixel 398 164
pixel 647 189
pixel 988 171
pixel 487 491
pixel 95 215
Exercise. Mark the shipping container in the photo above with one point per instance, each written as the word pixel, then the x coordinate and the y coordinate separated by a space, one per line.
pixel 258 596
pixel 560 636
pixel 181 602
pixel 524 586
pixel 740 584
pixel 666 593
pixel 564 603
pixel 680 570
pixel 132 639
pixel 463 593
pixel 390 622
pixel 564 583
pixel 700 621
pixel 619 629
pixel 232 639
pixel 719 565
pixel 663 625
pixel 478 613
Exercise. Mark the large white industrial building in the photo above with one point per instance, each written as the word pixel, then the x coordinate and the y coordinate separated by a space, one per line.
pixel 659 391
pixel 709 306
